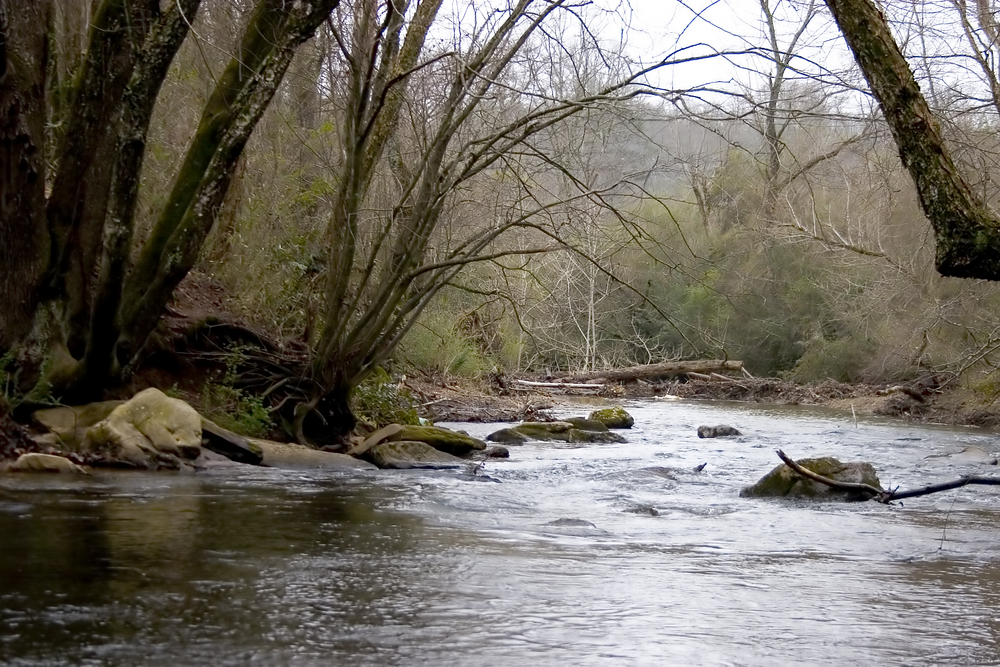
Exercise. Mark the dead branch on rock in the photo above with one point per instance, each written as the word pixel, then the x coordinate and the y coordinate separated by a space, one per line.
pixel 887 497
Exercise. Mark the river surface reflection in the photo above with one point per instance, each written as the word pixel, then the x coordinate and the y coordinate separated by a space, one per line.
pixel 275 567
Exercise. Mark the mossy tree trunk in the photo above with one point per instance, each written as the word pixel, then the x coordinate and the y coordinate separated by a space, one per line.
pixel 23 241
pixel 967 235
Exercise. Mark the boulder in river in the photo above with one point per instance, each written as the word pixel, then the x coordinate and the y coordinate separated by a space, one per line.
pixel 508 436
pixel 551 432
pixel 405 454
pixel 783 482
pixel 441 439
pixel 719 431
pixel 298 457
pixel 614 417
pixel 151 430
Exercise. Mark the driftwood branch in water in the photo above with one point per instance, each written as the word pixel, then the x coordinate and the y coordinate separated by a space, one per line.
pixel 887 497
pixel 943 486
pixel 655 371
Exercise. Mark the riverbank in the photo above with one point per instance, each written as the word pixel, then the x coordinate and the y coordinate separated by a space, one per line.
pixel 929 400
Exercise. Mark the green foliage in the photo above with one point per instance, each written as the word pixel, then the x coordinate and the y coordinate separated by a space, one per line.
pixel 436 345
pixel 843 359
pixel 987 387
pixel 231 407
pixel 380 401
pixel 9 379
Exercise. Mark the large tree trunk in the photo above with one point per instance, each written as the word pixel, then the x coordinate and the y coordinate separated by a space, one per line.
pixel 966 233
pixel 23 241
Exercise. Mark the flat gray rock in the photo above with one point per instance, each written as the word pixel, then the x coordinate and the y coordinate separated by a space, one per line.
pixel 297 457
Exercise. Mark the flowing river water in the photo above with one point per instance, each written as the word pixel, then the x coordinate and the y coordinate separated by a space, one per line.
pixel 581 555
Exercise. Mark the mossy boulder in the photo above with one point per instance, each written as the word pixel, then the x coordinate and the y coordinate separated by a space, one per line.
pixel 441 439
pixel 614 417
pixel 783 482
pixel 586 424
pixel 150 431
pixel 551 432
pixel 407 454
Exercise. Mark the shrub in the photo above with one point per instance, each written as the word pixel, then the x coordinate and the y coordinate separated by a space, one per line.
pixel 231 407
pixel 380 401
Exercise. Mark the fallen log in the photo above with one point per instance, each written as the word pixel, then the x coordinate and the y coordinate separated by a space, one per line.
pixel 560 385
pixel 887 497
pixel 662 370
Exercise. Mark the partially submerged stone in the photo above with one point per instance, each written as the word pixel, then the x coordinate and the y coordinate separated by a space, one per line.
pixel 551 432
pixel 508 436
pixel 34 462
pixel 587 424
pixel 406 454
pixel 298 457
pixel 969 455
pixel 149 431
pixel 441 439
pixel 614 417
pixel 783 482
pixel 718 431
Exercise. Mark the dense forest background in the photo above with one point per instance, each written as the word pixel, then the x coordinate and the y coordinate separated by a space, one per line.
pixel 585 205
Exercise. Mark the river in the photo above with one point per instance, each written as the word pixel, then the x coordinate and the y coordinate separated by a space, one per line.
pixel 647 563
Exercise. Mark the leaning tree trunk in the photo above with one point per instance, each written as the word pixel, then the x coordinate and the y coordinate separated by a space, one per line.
pixel 966 233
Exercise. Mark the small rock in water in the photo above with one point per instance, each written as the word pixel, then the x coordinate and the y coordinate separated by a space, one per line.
pixel 643 509
pixel 571 522
pixel 719 431
pixel 498 452
pixel 700 467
